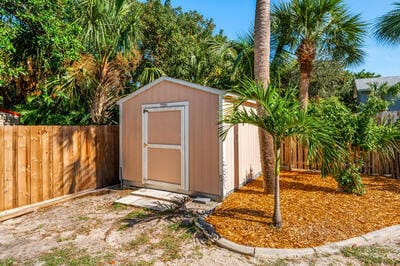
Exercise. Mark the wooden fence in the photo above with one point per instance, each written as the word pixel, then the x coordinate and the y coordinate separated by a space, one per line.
pixel 294 156
pixel 43 162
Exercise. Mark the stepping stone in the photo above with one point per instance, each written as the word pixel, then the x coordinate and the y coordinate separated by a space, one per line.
pixel 159 194
pixel 148 203
pixel 202 200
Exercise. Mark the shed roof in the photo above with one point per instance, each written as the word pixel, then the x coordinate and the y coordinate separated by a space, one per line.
pixel 364 84
pixel 176 81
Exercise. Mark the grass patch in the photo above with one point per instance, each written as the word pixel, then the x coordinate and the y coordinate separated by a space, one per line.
pixel 171 247
pixel 144 263
pixel 185 229
pixel 62 239
pixel 123 227
pixel 119 207
pixel 8 262
pixel 40 226
pixel 83 218
pixel 278 262
pixel 142 239
pixel 136 214
pixel 69 256
pixel 369 255
pixel 196 252
pixel 173 238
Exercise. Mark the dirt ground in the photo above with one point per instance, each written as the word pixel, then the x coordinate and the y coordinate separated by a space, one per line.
pixel 94 231
pixel 314 212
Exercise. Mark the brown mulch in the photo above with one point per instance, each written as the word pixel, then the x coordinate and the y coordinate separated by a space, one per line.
pixel 313 211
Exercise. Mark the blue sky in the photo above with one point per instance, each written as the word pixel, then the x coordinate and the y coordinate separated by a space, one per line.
pixel 236 17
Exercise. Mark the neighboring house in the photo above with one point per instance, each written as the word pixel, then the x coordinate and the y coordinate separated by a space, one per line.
pixel 364 88
pixel 8 117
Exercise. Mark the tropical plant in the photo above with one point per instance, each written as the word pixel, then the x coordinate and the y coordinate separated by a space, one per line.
pixel 177 44
pixel 37 38
pixel 311 29
pixel 388 26
pixel 262 32
pixel 238 56
pixel 361 133
pixel 50 106
pixel 110 33
pixel 282 117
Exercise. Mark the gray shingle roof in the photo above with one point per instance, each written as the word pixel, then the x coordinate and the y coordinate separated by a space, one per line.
pixel 363 84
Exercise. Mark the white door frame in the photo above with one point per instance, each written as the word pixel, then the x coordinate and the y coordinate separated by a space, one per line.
pixel 183 107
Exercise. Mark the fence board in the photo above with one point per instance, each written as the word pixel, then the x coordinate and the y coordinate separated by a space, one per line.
pixel 23 194
pixel 8 168
pixel 42 162
pixel 373 165
pixel 46 163
pixel 2 159
pixel 57 159
pixel 36 169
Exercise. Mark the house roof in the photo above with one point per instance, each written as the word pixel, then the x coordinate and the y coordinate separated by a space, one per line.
pixel 364 84
pixel 176 81
pixel 9 112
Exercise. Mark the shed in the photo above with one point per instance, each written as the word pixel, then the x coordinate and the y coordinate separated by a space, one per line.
pixel 169 141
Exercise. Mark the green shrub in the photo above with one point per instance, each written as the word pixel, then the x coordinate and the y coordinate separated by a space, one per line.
pixel 349 180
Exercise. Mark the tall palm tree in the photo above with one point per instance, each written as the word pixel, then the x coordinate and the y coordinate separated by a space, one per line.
pixel 309 29
pixel 388 26
pixel 262 36
pixel 282 117
pixel 110 33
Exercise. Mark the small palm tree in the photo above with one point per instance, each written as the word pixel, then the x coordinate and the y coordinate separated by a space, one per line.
pixel 388 26
pixel 316 28
pixel 282 117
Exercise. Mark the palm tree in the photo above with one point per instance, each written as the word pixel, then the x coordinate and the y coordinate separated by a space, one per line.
pixel 110 35
pixel 262 32
pixel 316 28
pixel 388 26
pixel 238 56
pixel 282 117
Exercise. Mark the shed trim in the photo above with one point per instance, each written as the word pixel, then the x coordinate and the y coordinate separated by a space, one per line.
pixel 176 81
pixel 120 168
pixel 184 107
pixel 221 149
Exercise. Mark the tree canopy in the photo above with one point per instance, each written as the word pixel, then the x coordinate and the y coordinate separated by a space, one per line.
pixel 316 29
pixel 83 55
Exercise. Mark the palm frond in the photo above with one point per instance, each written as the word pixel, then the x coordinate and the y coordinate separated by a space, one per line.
pixel 388 27
pixel 282 117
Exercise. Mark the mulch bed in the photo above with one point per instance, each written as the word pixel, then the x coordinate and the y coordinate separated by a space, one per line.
pixel 313 211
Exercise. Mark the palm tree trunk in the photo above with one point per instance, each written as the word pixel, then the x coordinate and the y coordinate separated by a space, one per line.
pixel 305 56
pixel 262 33
pixel 305 77
pixel 277 218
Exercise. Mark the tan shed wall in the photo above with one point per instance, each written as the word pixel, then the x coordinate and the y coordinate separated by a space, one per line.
pixel 229 163
pixel 203 134
pixel 249 154
pixel 241 156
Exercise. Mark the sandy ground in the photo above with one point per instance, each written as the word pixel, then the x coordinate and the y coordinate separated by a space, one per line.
pixel 93 231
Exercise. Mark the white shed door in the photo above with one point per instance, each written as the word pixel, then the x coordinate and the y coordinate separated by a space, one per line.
pixel 165 146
